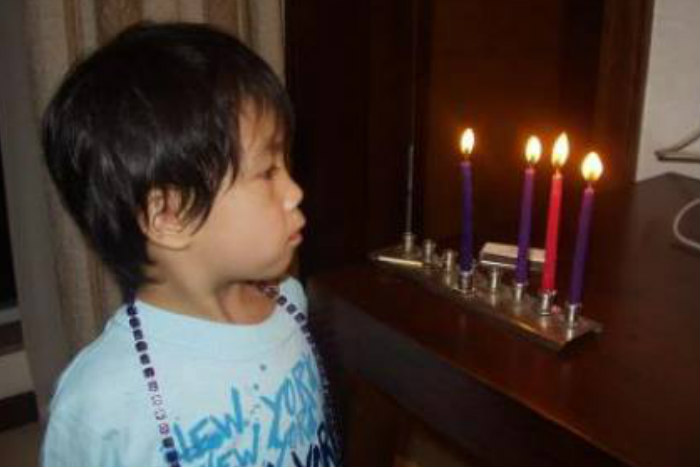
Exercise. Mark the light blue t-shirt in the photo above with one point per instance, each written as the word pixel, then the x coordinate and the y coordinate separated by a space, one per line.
pixel 235 395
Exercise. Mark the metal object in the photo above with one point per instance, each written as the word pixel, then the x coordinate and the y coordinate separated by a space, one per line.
pixel 409 189
pixel 409 242
pixel 573 311
pixel 449 260
pixel 547 301
pixel 519 291
pixel 406 262
pixel 474 292
pixel 494 278
pixel 505 256
pixel 466 282
pixel 428 252
pixel 408 255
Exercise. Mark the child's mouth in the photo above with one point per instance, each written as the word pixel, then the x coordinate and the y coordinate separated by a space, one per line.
pixel 296 237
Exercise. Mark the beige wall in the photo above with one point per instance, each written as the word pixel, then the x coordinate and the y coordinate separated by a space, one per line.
pixel 672 101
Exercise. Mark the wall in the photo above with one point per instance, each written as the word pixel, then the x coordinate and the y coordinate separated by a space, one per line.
pixel 672 102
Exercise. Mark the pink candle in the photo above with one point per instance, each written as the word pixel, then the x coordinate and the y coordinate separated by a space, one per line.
pixel 559 155
pixel 550 249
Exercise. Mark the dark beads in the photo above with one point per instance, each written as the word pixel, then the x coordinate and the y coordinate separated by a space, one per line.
pixel 171 456
pixel 149 373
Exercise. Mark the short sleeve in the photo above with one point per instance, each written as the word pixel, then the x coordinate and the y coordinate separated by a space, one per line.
pixel 68 443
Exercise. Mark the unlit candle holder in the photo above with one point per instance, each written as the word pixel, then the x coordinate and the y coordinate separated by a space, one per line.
pixel 484 290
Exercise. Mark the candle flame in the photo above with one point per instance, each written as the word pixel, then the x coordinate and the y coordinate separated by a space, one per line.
pixel 592 167
pixel 533 150
pixel 560 152
pixel 466 143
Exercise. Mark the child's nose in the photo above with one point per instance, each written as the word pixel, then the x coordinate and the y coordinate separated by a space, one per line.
pixel 294 195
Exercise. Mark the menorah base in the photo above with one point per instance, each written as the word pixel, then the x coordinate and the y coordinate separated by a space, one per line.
pixel 487 294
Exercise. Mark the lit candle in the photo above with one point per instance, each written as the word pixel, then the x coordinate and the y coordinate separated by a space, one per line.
pixel 466 257
pixel 559 156
pixel 533 151
pixel 592 168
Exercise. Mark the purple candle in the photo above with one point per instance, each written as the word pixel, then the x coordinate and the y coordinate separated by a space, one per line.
pixel 466 256
pixel 533 151
pixel 592 168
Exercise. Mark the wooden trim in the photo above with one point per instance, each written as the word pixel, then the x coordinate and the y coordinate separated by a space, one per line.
pixel 622 78
pixel 18 410
pixel 10 338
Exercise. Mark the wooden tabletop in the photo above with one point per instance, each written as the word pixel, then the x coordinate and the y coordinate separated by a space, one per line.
pixel 630 395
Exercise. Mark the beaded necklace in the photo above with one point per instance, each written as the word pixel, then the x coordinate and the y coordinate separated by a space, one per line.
pixel 156 399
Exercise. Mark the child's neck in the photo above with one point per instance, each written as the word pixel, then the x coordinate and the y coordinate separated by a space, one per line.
pixel 238 303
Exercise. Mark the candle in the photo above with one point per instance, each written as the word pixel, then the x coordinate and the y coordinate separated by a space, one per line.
pixel 466 257
pixel 533 151
pixel 591 168
pixel 559 155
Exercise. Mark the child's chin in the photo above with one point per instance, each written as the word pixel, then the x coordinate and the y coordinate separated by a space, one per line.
pixel 278 272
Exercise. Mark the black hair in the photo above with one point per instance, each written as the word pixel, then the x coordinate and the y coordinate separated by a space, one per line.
pixel 156 108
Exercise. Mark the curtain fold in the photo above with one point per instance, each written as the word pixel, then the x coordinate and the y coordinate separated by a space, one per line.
pixel 57 33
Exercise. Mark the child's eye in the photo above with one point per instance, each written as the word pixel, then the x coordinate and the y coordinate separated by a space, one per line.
pixel 270 173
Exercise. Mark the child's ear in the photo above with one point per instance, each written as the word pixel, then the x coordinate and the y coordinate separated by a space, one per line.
pixel 163 223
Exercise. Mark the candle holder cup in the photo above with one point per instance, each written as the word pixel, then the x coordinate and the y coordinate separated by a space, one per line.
pixel 466 282
pixel 573 311
pixel 546 305
pixel 519 290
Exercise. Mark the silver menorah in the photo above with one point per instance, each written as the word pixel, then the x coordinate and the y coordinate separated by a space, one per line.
pixel 486 288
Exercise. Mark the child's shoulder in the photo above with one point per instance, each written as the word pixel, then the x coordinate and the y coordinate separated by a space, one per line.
pixel 97 377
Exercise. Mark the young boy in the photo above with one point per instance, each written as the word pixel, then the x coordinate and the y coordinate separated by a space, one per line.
pixel 168 147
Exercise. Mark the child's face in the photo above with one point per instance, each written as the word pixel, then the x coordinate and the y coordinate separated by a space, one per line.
pixel 255 223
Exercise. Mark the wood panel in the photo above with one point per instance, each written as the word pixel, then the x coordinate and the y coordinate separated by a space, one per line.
pixel 621 82
pixel 508 69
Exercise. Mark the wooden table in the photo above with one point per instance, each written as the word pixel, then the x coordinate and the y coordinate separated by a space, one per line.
pixel 628 396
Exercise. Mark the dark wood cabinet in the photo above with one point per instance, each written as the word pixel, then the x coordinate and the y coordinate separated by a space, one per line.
pixel 629 396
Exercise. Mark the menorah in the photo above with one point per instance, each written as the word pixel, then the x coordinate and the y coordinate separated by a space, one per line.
pixel 485 289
